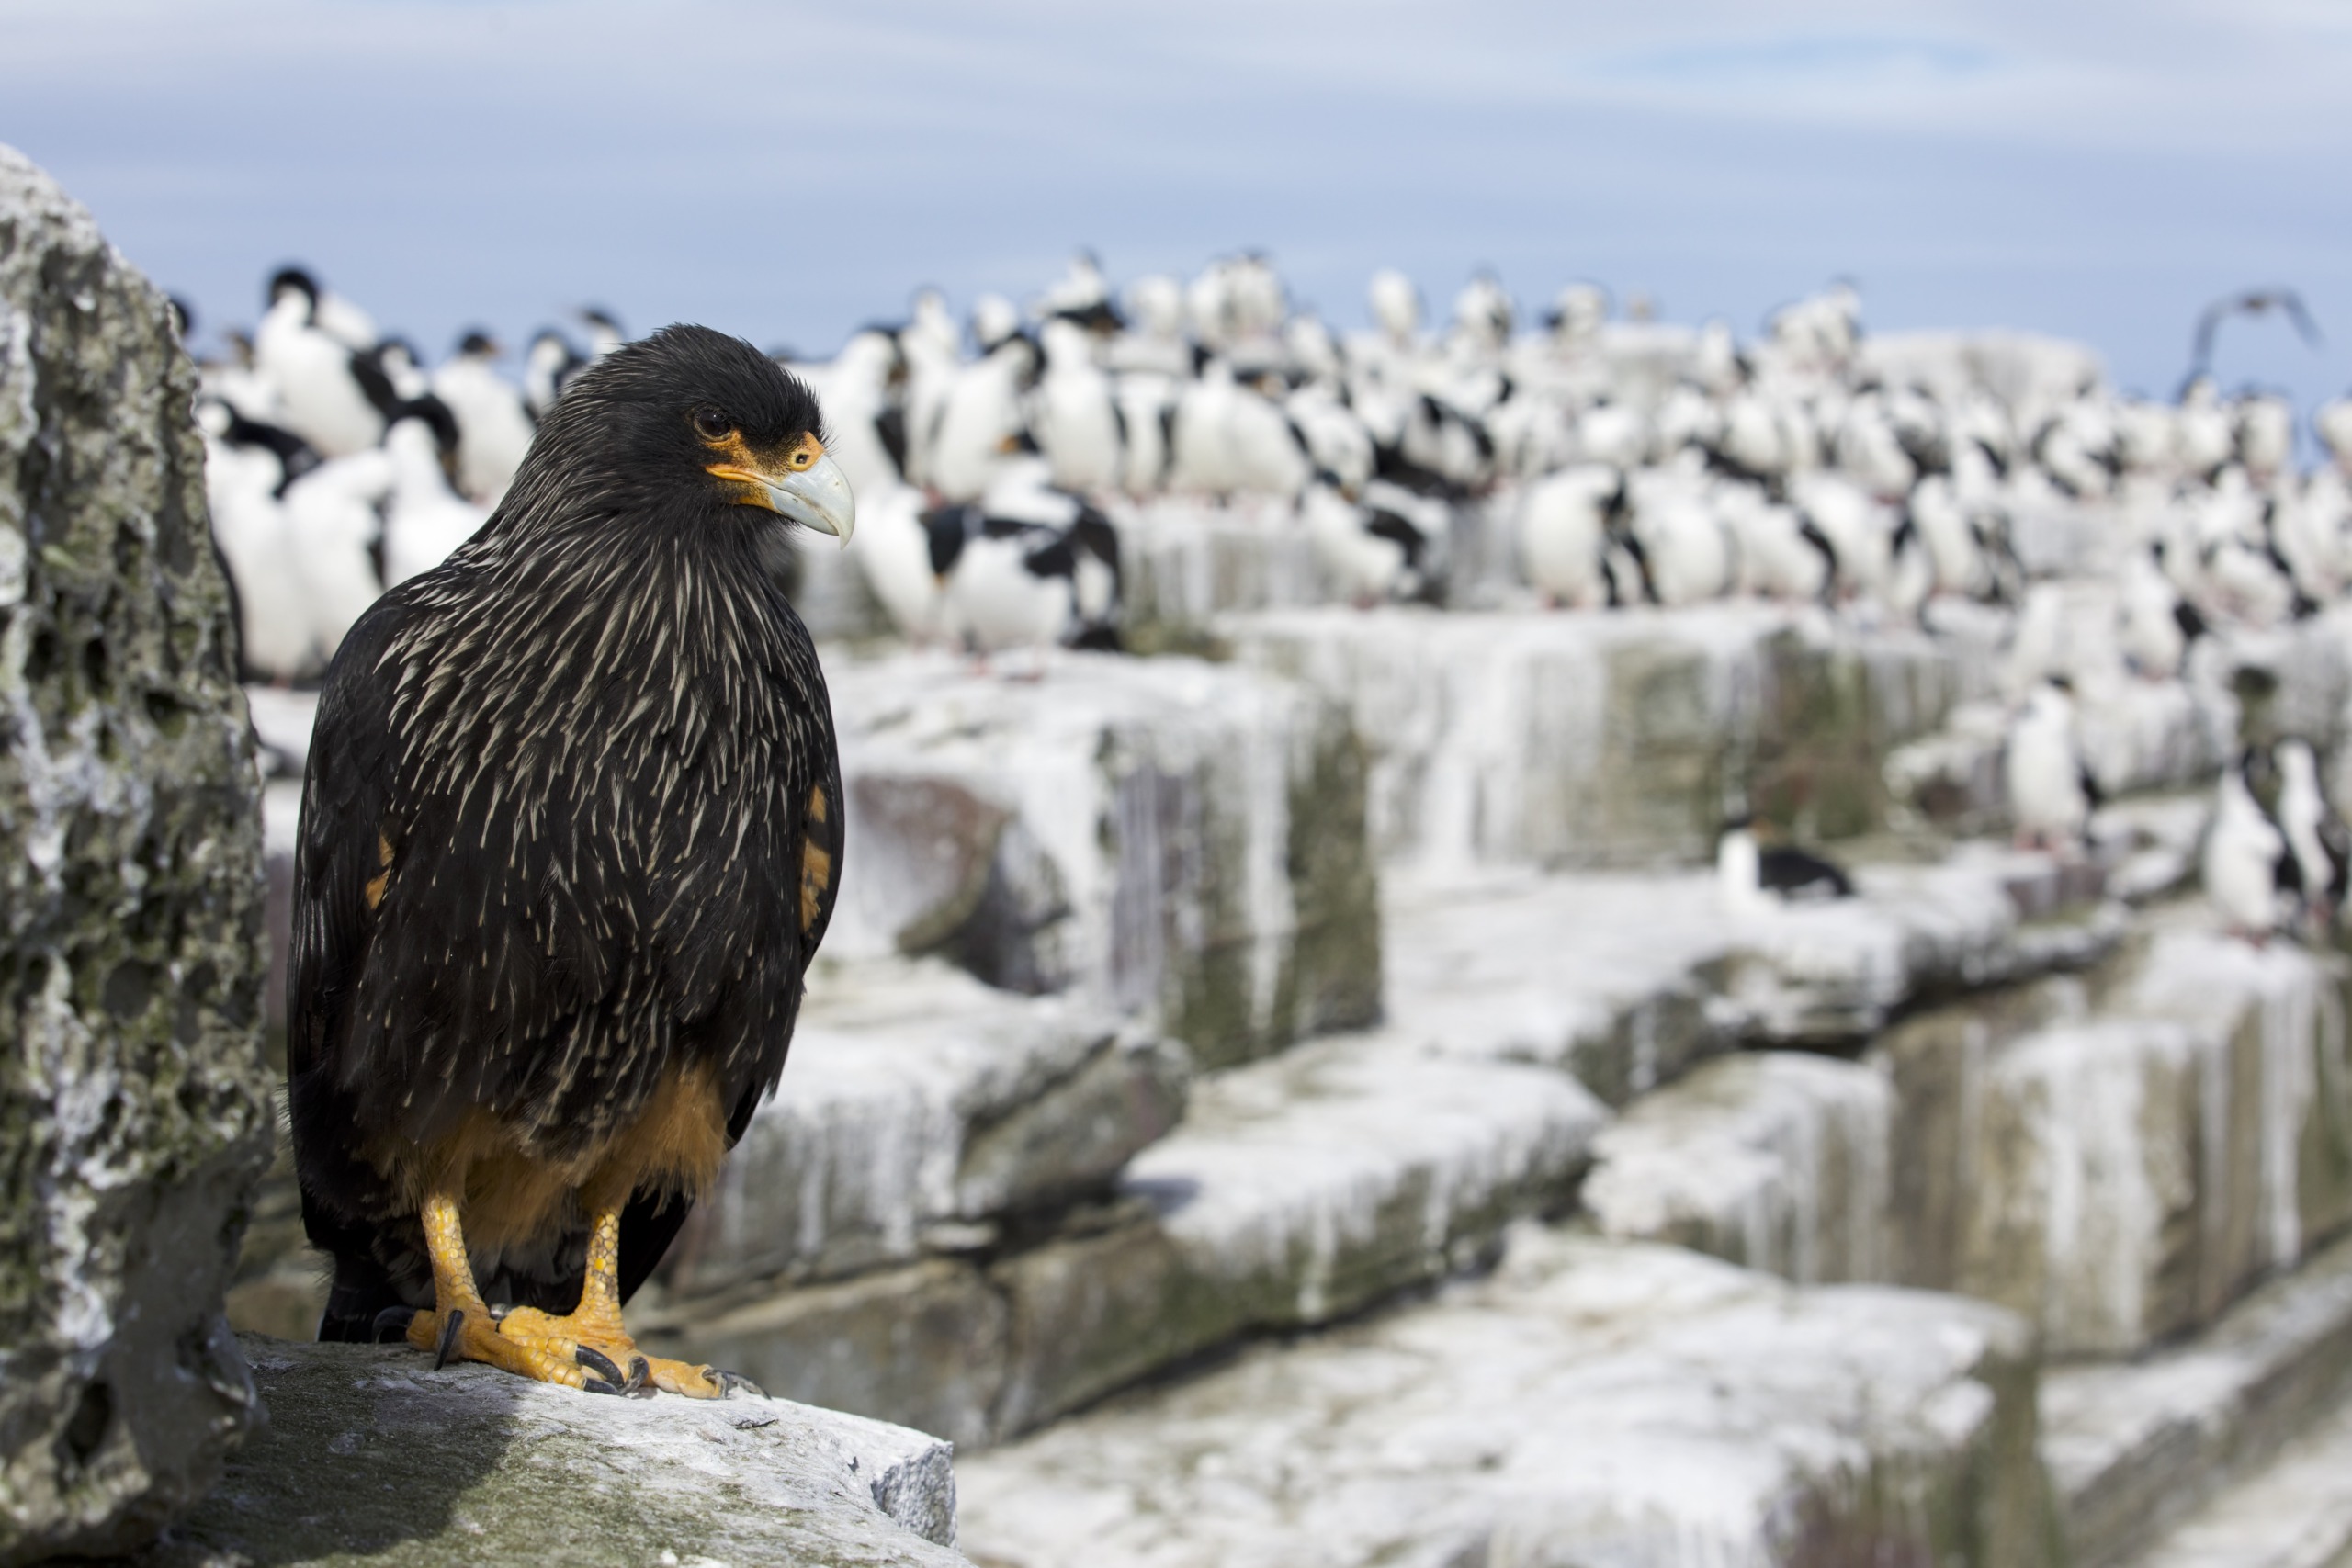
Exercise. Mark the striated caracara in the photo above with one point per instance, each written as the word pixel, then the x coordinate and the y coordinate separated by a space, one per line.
pixel 570 833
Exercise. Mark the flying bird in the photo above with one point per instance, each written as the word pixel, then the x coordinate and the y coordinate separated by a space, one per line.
pixel 571 832
pixel 2252 302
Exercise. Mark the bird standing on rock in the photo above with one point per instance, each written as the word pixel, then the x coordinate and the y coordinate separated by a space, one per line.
pixel 2052 792
pixel 2247 866
pixel 570 833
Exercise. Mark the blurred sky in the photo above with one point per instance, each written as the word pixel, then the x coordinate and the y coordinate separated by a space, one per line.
pixel 2100 169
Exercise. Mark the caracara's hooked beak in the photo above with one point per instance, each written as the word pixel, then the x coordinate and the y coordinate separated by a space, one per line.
pixel 813 492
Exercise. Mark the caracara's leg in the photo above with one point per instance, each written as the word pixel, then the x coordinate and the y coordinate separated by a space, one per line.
pixel 460 1327
pixel 592 1335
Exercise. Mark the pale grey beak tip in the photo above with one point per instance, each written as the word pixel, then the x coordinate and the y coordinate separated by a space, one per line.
pixel 817 497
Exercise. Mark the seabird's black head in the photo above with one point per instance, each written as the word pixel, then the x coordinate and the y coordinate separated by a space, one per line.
pixel 478 342
pixel 293 279
pixel 684 426
pixel 437 418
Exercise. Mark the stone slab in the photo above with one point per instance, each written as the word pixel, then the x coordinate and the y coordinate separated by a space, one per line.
pixel 1614 978
pixel 1592 1404
pixel 2295 1513
pixel 371 1456
pixel 1298 1191
pixel 1822 974
pixel 1627 981
pixel 2133 1446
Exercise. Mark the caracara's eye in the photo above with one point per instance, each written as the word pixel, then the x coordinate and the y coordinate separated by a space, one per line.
pixel 712 425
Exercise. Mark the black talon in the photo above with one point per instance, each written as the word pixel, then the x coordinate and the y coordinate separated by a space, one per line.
pixel 391 1325
pixel 730 1381
pixel 598 1385
pixel 596 1361
pixel 449 1327
pixel 640 1372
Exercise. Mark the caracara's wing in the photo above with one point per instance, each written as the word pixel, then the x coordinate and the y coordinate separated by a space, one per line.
pixel 347 801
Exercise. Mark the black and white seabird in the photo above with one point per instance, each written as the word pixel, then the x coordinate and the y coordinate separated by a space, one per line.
pixel 2052 792
pixel 493 426
pixel 1755 875
pixel 2249 872
pixel 328 392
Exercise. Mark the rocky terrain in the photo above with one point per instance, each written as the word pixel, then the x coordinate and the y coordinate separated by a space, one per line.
pixel 1321 1084
pixel 1234 1139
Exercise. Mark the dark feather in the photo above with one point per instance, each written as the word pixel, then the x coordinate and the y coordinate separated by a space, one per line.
pixel 1794 872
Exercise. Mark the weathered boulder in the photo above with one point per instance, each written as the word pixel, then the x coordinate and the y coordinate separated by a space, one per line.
pixel 1181 840
pixel 134 1105
pixel 1592 1404
pixel 371 1455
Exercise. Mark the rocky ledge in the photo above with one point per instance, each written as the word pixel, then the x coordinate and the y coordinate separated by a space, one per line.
pixel 369 1455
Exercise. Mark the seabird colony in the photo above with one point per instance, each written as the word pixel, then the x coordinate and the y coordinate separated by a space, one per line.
pixel 1001 463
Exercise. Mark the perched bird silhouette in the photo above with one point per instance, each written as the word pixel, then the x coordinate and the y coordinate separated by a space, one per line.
pixel 570 833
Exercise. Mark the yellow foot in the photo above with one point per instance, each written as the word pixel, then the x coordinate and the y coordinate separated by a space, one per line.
pixel 598 1343
pixel 467 1334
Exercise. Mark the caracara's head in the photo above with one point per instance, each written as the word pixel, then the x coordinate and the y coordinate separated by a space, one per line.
pixel 686 424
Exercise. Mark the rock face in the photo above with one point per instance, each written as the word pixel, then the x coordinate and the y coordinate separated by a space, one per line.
pixel 1768 1158
pixel 1295 1192
pixel 369 1454
pixel 2120 1158
pixel 2132 1446
pixel 1619 739
pixel 1187 562
pixel 917 1098
pixel 134 1110
pixel 1184 841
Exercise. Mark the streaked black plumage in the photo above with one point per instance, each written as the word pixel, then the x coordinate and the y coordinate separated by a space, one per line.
pixel 563 800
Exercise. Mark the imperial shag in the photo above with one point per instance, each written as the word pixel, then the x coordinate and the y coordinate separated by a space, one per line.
pixel 570 833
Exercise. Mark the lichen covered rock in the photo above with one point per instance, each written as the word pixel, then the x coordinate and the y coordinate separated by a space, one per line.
pixel 371 1455
pixel 134 1109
